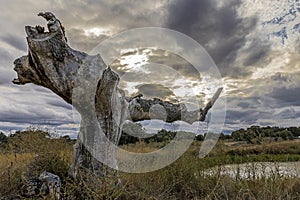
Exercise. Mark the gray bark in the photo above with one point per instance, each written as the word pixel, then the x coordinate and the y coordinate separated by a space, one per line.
pixel 51 63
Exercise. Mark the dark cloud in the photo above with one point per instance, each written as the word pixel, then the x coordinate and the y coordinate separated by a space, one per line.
pixel 247 110
pixel 286 96
pixel 117 15
pixel 16 110
pixel 178 63
pixel 262 107
pixel 78 40
pixel 129 77
pixel 4 79
pixel 280 77
pixel 256 52
pixel 155 90
pixel 127 14
pixel 249 116
pixel 6 67
pixel 17 42
pixel 31 118
pixel 244 104
pixel 218 28
pixel 288 113
pixel 5 55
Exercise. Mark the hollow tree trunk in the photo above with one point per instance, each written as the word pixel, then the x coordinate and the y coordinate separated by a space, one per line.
pixel 51 63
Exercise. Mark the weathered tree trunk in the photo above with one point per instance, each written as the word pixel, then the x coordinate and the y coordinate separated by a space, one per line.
pixel 51 63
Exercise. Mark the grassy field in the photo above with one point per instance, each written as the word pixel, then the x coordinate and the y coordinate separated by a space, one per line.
pixel 184 179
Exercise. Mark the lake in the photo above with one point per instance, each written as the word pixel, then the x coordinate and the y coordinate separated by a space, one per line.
pixel 257 170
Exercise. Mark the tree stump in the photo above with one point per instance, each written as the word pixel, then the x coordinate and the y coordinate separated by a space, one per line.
pixel 52 64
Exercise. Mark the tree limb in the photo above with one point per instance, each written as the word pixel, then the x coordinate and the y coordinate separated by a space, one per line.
pixel 51 63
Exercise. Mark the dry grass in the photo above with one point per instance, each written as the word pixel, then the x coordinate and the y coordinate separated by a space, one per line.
pixel 12 168
pixel 184 179
pixel 141 147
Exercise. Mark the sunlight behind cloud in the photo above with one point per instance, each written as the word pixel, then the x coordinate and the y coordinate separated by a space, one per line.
pixel 97 31
pixel 133 62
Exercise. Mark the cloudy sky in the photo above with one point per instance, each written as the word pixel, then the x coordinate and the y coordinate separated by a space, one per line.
pixel 254 44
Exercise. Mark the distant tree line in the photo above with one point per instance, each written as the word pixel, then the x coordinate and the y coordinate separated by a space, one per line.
pixel 256 133
pixel 163 135
pixel 134 133
pixel 26 141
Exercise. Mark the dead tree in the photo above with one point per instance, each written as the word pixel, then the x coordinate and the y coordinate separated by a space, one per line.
pixel 51 63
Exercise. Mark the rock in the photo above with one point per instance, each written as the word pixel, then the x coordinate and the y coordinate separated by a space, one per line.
pixel 47 185
pixel 50 185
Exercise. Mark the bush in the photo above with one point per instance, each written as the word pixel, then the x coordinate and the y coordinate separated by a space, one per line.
pixel 51 162
pixel 3 141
